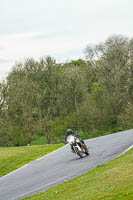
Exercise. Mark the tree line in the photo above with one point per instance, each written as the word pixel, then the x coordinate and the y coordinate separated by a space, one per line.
pixel 92 95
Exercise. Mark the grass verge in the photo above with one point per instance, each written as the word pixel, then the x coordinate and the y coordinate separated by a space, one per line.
pixel 110 181
pixel 12 158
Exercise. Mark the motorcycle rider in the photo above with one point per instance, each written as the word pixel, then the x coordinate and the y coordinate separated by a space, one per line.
pixel 70 132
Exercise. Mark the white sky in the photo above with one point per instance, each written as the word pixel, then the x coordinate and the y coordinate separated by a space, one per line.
pixel 59 28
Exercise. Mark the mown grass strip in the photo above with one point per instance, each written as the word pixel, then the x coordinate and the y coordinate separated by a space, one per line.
pixel 111 181
pixel 12 158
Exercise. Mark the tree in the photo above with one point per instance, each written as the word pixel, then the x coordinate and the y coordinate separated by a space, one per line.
pixel 3 93
pixel 111 61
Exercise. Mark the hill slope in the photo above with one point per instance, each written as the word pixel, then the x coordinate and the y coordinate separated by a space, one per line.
pixel 113 180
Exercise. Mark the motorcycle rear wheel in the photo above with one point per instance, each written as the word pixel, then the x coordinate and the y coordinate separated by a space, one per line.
pixel 87 153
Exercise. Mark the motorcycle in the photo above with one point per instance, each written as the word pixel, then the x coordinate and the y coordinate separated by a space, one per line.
pixel 79 149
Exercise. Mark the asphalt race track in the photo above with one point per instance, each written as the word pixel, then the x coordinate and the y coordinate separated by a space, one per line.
pixel 62 165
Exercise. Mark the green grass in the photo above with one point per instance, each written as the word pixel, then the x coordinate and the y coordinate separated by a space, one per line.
pixel 12 158
pixel 110 181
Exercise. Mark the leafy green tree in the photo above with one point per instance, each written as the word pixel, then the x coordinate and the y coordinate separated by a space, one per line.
pixel 112 64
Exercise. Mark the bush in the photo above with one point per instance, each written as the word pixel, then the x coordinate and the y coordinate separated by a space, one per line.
pixel 38 140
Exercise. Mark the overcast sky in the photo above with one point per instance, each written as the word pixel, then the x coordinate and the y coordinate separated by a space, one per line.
pixel 59 28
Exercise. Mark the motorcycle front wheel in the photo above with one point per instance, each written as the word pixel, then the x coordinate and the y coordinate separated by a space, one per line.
pixel 80 154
